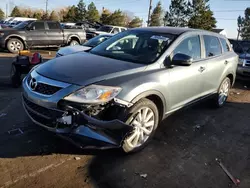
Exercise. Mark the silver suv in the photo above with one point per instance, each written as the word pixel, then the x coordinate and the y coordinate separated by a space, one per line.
pixel 115 95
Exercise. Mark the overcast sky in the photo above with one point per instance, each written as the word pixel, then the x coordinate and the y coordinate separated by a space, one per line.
pixel 225 11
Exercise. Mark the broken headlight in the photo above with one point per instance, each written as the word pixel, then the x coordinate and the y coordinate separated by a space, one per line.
pixel 94 94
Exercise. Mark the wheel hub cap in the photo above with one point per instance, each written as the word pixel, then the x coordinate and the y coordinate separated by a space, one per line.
pixel 143 123
pixel 223 93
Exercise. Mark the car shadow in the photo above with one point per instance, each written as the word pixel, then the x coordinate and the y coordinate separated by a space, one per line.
pixel 183 152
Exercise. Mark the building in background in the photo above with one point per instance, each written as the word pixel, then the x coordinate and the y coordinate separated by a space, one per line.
pixel 220 31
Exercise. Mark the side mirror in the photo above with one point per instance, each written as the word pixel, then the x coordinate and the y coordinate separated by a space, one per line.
pixel 182 60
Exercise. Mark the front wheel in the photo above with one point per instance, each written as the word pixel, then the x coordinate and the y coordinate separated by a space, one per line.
pixel 223 92
pixel 15 45
pixel 144 117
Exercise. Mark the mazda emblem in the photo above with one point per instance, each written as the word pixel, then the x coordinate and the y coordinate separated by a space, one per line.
pixel 33 84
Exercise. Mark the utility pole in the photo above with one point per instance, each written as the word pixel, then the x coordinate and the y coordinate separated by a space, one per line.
pixel 6 10
pixel 47 7
pixel 149 12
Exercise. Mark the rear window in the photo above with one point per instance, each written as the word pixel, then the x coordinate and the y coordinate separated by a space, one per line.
pixel 53 25
pixel 212 46
pixel 225 45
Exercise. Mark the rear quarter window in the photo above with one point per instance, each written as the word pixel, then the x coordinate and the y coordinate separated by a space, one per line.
pixel 212 46
pixel 225 45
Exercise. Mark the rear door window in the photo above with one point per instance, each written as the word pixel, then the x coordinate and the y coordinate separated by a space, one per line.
pixel 225 45
pixel 190 46
pixel 212 46
pixel 38 25
pixel 53 25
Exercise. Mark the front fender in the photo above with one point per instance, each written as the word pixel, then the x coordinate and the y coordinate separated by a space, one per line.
pixel 16 36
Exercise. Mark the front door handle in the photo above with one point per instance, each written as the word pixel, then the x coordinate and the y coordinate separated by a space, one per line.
pixel 201 69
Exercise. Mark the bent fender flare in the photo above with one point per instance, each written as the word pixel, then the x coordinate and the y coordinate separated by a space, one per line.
pixel 151 92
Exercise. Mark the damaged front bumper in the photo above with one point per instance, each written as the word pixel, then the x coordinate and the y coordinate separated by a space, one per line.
pixel 67 121
pixel 77 127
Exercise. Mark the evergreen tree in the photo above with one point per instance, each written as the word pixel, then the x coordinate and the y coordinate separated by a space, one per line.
pixel 156 16
pixel 201 17
pixel 16 12
pixel 245 31
pixel 37 15
pixel 81 11
pixel 117 18
pixel 2 15
pixel 92 13
pixel 71 15
pixel 53 16
pixel 177 14
pixel 135 22
pixel 105 17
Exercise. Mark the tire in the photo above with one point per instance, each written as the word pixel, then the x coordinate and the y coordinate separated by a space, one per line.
pixel 221 97
pixel 73 43
pixel 132 116
pixel 15 45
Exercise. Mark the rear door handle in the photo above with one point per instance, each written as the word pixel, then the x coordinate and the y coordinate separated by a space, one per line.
pixel 226 62
pixel 201 69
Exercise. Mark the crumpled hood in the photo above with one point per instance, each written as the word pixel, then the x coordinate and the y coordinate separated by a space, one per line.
pixel 73 49
pixel 86 68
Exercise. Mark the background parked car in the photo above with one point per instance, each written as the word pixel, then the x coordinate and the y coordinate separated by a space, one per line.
pixel 106 29
pixel 242 48
pixel 84 47
pixel 31 34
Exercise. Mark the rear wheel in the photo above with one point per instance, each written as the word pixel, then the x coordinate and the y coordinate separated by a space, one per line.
pixel 144 118
pixel 73 43
pixel 15 45
pixel 223 92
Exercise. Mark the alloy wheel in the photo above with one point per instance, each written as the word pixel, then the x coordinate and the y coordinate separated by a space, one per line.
pixel 143 122
pixel 223 92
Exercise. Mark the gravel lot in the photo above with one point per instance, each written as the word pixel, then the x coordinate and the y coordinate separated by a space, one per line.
pixel 182 153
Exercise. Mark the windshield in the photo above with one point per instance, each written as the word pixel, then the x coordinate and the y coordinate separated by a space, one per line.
pixel 143 47
pixel 105 29
pixel 96 40
pixel 22 25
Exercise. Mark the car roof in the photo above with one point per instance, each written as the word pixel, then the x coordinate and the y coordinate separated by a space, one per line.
pixel 176 30
pixel 114 26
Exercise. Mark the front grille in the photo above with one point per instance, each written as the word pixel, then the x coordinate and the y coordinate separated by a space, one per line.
pixel 46 89
pixel 247 64
pixel 52 114
pixel 246 73
pixel 41 120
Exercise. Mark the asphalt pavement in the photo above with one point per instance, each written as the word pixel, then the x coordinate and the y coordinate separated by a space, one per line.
pixel 182 154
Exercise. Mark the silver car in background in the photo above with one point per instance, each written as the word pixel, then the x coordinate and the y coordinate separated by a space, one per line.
pixel 84 47
pixel 116 95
